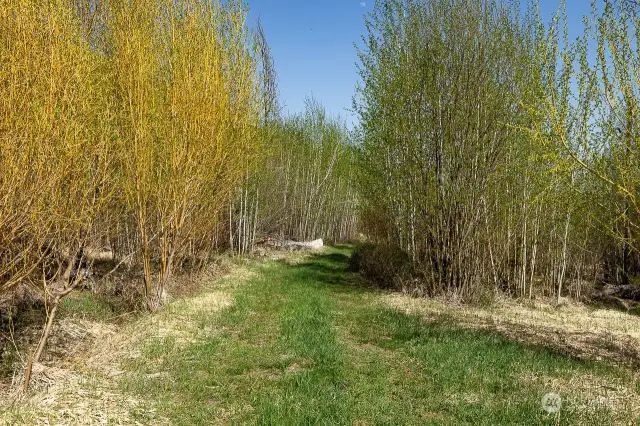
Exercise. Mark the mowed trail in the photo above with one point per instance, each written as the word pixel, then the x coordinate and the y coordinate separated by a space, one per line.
pixel 302 341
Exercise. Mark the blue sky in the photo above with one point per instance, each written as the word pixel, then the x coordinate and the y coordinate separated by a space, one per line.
pixel 312 43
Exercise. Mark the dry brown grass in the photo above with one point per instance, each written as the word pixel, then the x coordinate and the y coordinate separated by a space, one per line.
pixel 572 328
pixel 82 387
pixel 586 392
pixel 77 388
pixel 79 384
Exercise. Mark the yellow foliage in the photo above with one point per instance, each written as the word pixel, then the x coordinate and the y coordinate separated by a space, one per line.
pixel 153 120
pixel 53 159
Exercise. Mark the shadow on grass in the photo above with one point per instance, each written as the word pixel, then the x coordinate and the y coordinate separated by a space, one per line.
pixel 479 361
pixel 395 328
pixel 329 269
pixel 332 269
pixel 343 246
pixel 583 345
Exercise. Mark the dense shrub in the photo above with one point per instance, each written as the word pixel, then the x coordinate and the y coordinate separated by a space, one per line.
pixel 496 153
pixel 383 265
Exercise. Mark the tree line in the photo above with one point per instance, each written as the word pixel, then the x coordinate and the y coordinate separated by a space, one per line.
pixel 496 154
pixel 152 129
pixel 493 155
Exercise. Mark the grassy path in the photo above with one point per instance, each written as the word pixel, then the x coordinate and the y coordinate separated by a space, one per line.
pixel 304 344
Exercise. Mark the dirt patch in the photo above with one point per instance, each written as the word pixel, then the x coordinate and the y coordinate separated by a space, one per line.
pixel 301 366
pixel 263 374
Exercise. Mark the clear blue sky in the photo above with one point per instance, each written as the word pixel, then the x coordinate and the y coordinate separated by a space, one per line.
pixel 312 43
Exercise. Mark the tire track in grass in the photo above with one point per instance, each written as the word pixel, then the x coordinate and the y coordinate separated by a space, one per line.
pixel 405 369
pixel 304 343
pixel 272 358
pixel 311 392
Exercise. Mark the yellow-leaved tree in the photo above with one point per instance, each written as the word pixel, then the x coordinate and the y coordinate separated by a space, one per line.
pixel 185 77
pixel 56 148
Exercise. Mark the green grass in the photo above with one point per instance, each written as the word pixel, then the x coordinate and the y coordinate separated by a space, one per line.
pixel 87 306
pixel 305 344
